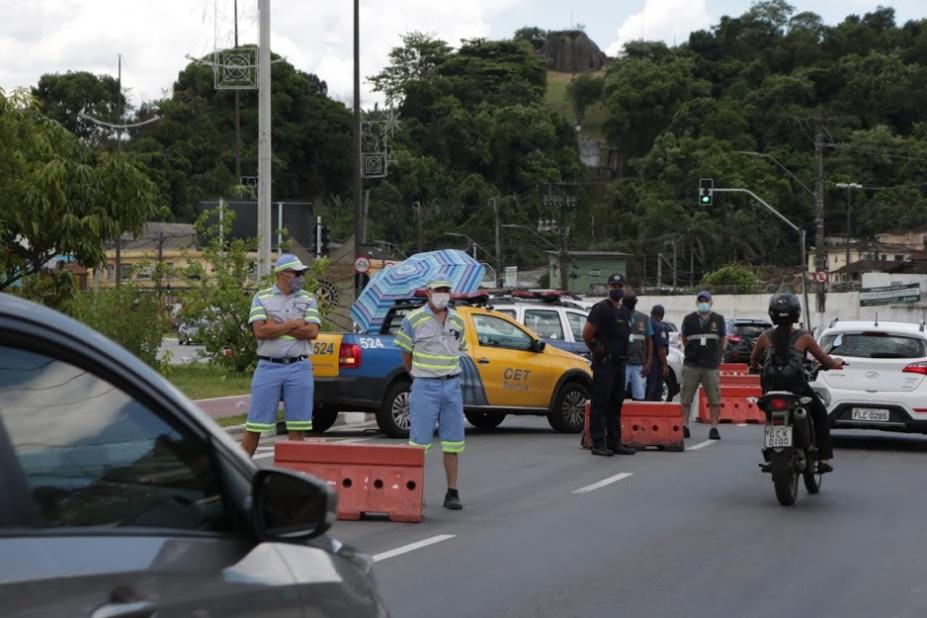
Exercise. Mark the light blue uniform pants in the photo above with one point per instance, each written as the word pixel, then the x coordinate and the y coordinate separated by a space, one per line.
pixel 273 382
pixel 437 402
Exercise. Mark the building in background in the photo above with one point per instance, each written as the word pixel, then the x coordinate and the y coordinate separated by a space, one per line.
pixel 588 270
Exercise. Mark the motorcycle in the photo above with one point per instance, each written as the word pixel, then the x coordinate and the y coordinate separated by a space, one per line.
pixel 789 450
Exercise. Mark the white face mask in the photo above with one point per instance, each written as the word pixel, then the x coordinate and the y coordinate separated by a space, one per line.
pixel 440 299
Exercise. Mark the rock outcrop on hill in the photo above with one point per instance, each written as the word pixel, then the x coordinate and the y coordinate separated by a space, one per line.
pixel 571 51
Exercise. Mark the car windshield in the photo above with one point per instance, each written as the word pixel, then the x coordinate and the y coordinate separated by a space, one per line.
pixel 750 330
pixel 874 345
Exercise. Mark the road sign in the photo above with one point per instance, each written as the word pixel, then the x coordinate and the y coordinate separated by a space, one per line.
pixel 890 295
pixel 511 277
pixel 821 276
pixel 362 265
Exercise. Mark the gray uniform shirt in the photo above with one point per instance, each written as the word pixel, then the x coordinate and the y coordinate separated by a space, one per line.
pixel 272 305
pixel 435 347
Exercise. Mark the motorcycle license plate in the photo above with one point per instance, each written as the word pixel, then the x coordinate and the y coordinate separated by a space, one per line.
pixel 778 436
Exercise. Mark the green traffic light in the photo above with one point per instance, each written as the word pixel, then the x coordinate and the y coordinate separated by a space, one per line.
pixel 706 199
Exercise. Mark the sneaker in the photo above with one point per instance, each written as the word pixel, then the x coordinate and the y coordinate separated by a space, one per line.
pixel 601 451
pixel 624 450
pixel 685 432
pixel 824 467
pixel 452 501
pixel 713 434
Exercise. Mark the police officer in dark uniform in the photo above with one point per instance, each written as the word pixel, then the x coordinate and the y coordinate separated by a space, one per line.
pixel 607 334
pixel 659 368
pixel 703 337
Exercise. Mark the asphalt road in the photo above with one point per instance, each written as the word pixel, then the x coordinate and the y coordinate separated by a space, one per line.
pixel 548 530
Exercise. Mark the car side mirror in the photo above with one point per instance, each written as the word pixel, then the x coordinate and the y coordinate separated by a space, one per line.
pixel 537 345
pixel 290 505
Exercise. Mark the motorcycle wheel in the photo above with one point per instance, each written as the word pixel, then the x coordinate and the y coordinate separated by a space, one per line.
pixel 811 476
pixel 785 478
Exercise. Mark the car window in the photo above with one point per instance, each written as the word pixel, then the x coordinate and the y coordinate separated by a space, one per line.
pixel 496 332
pixel 93 456
pixel 509 312
pixel 577 321
pixel 749 330
pixel 394 320
pixel 873 345
pixel 545 323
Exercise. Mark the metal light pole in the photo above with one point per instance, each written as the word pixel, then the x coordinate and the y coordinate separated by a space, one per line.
pixel 264 146
pixel 801 234
pixel 356 147
pixel 849 186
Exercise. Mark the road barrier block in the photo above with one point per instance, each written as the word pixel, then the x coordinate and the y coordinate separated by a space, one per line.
pixel 736 406
pixel 646 423
pixel 369 479
pixel 734 369
pixel 741 380
pixel 652 423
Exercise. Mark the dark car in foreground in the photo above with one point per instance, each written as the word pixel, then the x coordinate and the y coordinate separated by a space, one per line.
pixel 119 498
pixel 741 338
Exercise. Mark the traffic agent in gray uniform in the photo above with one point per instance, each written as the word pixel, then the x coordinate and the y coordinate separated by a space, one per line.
pixel 640 350
pixel 703 335
pixel 432 339
pixel 284 318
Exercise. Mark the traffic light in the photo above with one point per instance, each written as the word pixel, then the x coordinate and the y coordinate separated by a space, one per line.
pixel 325 236
pixel 706 189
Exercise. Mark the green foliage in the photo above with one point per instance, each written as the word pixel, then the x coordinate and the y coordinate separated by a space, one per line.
pixel 58 195
pixel 732 278
pixel 64 98
pixel 133 318
pixel 584 90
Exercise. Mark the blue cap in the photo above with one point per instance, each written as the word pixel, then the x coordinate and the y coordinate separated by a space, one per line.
pixel 288 261
pixel 704 294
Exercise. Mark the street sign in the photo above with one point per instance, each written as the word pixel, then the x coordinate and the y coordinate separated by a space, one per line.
pixel 362 265
pixel 511 277
pixel 821 276
pixel 890 295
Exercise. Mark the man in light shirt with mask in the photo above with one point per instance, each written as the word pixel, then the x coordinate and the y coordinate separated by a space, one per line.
pixel 284 319
pixel 431 340
pixel 703 337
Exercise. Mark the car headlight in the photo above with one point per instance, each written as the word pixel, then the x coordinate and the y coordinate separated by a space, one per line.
pixel 824 394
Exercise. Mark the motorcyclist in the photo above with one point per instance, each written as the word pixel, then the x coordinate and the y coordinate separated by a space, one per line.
pixel 785 311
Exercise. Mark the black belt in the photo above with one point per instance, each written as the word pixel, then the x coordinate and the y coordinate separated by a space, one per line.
pixel 283 361
pixel 450 377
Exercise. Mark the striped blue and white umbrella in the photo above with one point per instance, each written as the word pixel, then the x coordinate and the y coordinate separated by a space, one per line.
pixel 399 281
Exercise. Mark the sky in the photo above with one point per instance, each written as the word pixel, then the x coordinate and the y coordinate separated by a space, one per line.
pixel 155 36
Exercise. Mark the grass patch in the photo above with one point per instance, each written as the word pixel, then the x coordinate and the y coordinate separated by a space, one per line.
pixel 198 381
pixel 556 100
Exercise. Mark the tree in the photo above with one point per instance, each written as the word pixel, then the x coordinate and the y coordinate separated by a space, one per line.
pixel 64 97
pixel 417 59
pixel 584 91
pixel 58 195
pixel 733 277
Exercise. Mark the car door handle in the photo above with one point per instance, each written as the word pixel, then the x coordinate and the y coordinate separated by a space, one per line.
pixel 483 361
pixel 132 609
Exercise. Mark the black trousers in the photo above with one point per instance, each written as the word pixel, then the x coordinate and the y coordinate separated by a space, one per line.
pixel 607 395
pixel 655 382
pixel 821 426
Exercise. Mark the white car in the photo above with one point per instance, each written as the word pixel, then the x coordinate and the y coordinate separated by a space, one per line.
pixel 884 385
pixel 560 324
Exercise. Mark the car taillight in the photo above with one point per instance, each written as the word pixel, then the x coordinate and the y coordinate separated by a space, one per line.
pixel 920 368
pixel 350 356
pixel 779 404
pixel 734 338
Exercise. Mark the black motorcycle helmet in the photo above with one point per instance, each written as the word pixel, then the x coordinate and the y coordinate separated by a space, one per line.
pixel 784 309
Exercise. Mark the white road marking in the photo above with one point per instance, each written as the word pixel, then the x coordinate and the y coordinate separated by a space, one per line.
pixel 263 456
pixel 603 483
pixel 405 549
pixel 741 424
pixel 700 445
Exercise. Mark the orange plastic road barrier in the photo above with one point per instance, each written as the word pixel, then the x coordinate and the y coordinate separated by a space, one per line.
pixel 646 423
pixel 735 405
pixel 652 423
pixel 734 369
pixel 370 479
pixel 740 380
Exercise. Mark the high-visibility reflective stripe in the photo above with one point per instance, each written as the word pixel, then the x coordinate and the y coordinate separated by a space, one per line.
pixel 638 337
pixel 427 447
pixel 445 357
pixel 700 336
pixel 452 447
pixel 419 320
pixel 299 425
pixel 287 337
pixel 451 366
pixel 259 427
pixel 404 337
pixel 404 346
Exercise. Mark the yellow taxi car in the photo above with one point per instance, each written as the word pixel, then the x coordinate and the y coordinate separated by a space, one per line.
pixel 507 370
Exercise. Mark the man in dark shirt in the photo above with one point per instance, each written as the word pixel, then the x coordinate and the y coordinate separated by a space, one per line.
pixel 658 368
pixel 607 334
pixel 703 337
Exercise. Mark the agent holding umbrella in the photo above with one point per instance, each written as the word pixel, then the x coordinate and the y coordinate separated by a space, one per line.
pixel 431 339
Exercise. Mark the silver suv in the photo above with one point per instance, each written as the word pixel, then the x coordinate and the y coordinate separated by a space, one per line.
pixel 119 497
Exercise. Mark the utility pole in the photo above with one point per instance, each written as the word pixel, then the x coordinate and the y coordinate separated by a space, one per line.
pixel 418 223
pixel 160 260
pixel 237 112
pixel 498 229
pixel 264 146
pixel 119 149
pixel 564 252
pixel 659 270
pixel 674 266
pixel 820 255
pixel 849 186
pixel 358 224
